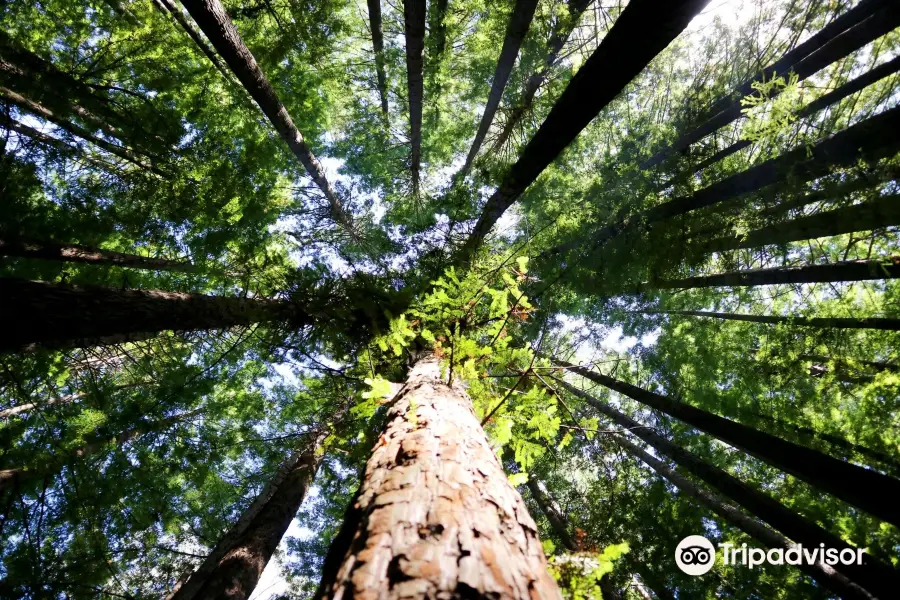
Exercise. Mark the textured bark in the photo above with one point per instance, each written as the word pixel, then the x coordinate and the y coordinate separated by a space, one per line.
pixel 642 30
pixel 378 48
pixel 824 575
pixel 233 567
pixel 850 270
pixel 882 323
pixel 867 21
pixel 849 482
pixel 65 316
pixel 170 8
pixel 213 20
pixel 516 29
pixel 436 516
pixel 87 254
pixel 414 15
pixel 873 575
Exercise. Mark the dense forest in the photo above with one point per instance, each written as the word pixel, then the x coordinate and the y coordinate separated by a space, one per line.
pixel 457 299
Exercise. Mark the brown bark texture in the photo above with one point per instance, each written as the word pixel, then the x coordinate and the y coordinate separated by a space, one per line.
pixel 86 254
pixel 436 516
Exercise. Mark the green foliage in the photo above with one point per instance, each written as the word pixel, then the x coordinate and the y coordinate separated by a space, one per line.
pixel 579 573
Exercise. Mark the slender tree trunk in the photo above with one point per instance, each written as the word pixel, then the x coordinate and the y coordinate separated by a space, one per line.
pixel 435 515
pixel 653 583
pixel 554 517
pixel 849 482
pixel 212 19
pixel 169 7
pixel 57 144
pixel 414 16
pixel 65 316
pixel 850 270
pixel 233 567
pixel 516 29
pixel 642 31
pixel 882 323
pixel 378 48
pixel 87 254
pixel 878 365
pixel 438 31
pixel 873 575
pixel 866 22
pixel 68 399
pixel 823 574
pixel 866 181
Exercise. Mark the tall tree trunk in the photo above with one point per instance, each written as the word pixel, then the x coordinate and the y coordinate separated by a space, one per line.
pixel 653 583
pixel 559 34
pixel 170 8
pixel 849 482
pixel 823 574
pixel 878 365
pixel 87 254
pixel 554 517
pixel 435 515
pixel 67 399
pixel 233 567
pixel 66 316
pixel 642 30
pixel 516 29
pixel 873 575
pixel 884 211
pixel 210 15
pixel 866 22
pixel 865 181
pixel 57 144
pixel 414 16
pixel 438 31
pixel 850 270
pixel 378 48
pixel 882 323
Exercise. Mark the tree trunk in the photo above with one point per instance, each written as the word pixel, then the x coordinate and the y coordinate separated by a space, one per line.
pixel 233 567
pixel 882 323
pixel 867 21
pixel 559 34
pixel 516 29
pixel 414 15
pixel 378 48
pixel 652 582
pixel 213 20
pixel 169 7
pixel 61 146
pixel 874 575
pixel 865 181
pixel 850 270
pixel 65 316
pixel 554 517
pixel 438 31
pixel 878 365
pixel 850 483
pixel 823 574
pixel 68 399
pixel 435 515
pixel 86 254
pixel 881 212
pixel 642 30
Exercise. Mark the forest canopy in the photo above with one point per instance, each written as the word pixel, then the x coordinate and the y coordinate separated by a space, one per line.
pixel 462 299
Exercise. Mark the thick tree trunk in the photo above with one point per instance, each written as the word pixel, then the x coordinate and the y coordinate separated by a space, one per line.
pixel 169 7
pixel 884 211
pixel 51 315
pixel 414 15
pixel 233 567
pixel 850 270
pixel 642 31
pixel 435 515
pixel 87 254
pixel 882 323
pixel 378 48
pixel 823 574
pixel 849 482
pixel 213 20
pixel 559 34
pixel 866 22
pixel 516 29
pixel 874 576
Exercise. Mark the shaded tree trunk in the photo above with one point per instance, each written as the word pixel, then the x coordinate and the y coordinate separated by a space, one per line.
pixel 68 399
pixel 169 7
pixel 435 515
pixel 378 48
pixel 51 315
pixel 850 483
pixel 87 255
pixel 882 323
pixel 873 575
pixel 642 30
pixel 653 583
pixel 414 16
pixel 875 364
pixel 57 144
pixel 554 517
pixel 438 31
pixel 212 19
pixel 516 29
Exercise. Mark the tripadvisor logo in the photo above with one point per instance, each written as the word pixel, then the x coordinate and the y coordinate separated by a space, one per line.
pixel 695 555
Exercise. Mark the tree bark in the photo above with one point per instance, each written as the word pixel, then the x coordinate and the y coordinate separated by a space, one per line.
pixel 57 144
pixel 875 364
pixel 882 323
pixel 849 482
pixel 554 517
pixel 414 16
pixel 435 515
pixel 213 20
pixel 38 313
pixel 169 7
pixel 233 567
pixel 87 255
pixel 68 399
pixel 619 59
pixel 378 48
pixel 516 29
pixel 873 575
